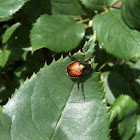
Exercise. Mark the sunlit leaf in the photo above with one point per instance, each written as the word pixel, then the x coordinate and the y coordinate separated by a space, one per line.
pixel 131 13
pixel 56 32
pixel 50 106
pixel 112 33
pixel 9 7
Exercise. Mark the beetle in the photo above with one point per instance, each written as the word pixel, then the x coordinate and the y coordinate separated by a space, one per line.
pixel 75 69
pixel 79 71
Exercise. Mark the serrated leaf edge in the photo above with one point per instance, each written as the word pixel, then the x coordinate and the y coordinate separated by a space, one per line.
pixel 15 11
pixel 30 36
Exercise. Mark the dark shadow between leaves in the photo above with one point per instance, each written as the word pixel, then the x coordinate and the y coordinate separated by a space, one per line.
pixel 117 84
pixel 124 82
pixel 133 76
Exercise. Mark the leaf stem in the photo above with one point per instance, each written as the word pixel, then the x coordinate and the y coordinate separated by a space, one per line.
pixel 102 66
pixel 84 20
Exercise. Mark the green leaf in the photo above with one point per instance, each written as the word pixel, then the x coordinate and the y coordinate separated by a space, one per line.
pixel 56 32
pixel 131 13
pixel 9 7
pixel 4 56
pixel 89 47
pixel 50 106
pixel 127 130
pixel 125 109
pixel 67 7
pixel 112 35
pixel 86 55
pixel 115 84
pixel 137 135
pixel 9 32
pixel 5 126
pixel 93 5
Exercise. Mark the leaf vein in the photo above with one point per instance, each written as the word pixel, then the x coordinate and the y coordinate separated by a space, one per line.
pixel 61 113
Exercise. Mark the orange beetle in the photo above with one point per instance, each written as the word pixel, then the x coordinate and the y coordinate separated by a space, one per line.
pixel 75 69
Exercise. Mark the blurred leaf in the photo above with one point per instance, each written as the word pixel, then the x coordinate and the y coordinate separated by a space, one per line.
pixel 136 78
pixel 115 85
pixel 136 69
pixel 136 85
pixel 127 127
pixel 93 5
pixel 123 107
pixel 131 13
pixel 18 42
pixel 4 91
pixel 9 32
pixel 20 74
pixel 9 7
pixel 137 135
pixel 43 109
pixel 5 19
pixel 58 33
pixel 124 110
pixel 126 69
pixel 112 35
pixel 67 7
pixel 4 56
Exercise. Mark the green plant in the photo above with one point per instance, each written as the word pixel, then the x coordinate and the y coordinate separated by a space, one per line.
pixel 39 100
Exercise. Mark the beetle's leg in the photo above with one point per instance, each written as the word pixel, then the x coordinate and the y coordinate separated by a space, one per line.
pixel 82 87
pixel 77 81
